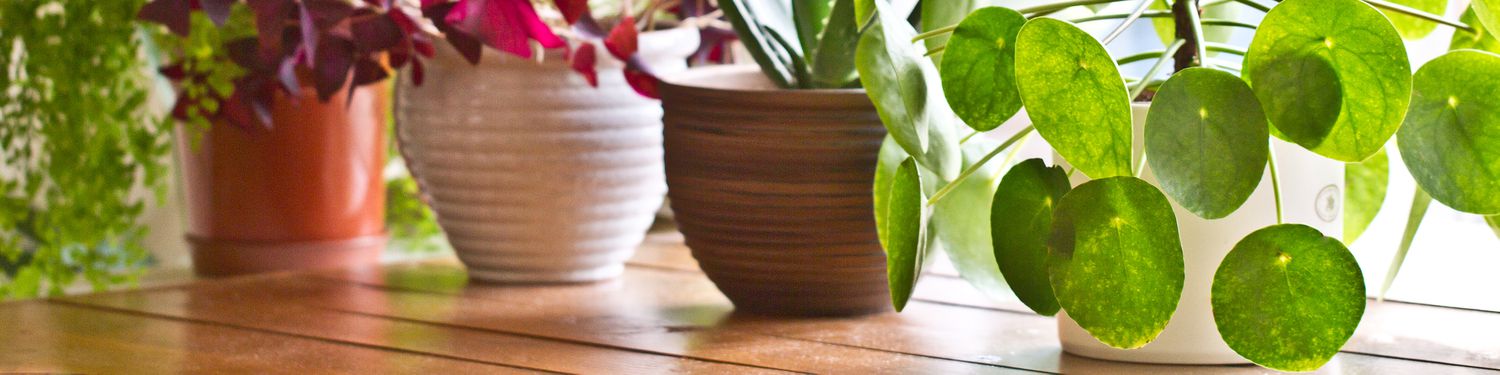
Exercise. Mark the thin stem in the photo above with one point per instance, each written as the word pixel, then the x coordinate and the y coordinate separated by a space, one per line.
pixel 1227 23
pixel 1215 3
pixel 936 50
pixel 967 137
pixel 934 33
pixel 977 165
pixel 1398 8
pixel 1197 25
pixel 1253 4
pixel 1143 56
pixel 1148 14
pixel 1226 48
pixel 1275 182
pixel 1419 203
pixel 1048 8
pixel 1161 62
pixel 1129 20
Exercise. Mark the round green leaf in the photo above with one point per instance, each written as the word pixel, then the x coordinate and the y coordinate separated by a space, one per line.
pixel 1115 260
pixel 1364 186
pixel 1481 38
pixel 1332 75
pixel 1166 27
pixel 1488 12
pixel 1206 141
pixel 1451 138
pixel 1020 219
pixel 979 67
pixel 1075 97
pixel 1411 27
pixel 1287 298
pixel 907 94
pixel 907 231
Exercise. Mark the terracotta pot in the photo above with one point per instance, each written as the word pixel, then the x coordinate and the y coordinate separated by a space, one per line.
pixel 305 193
pixel 534 175
pixel 771 188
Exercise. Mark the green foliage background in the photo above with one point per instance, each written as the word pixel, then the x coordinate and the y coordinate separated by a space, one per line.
pixel 77 145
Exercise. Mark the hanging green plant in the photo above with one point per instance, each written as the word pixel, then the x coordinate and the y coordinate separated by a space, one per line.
pixel 80 150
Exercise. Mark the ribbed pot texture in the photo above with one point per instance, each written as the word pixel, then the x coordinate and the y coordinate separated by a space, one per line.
pixel 772 189
pixel 534 175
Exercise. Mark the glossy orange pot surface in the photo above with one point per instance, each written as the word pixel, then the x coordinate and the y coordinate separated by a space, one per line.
pixel 304 193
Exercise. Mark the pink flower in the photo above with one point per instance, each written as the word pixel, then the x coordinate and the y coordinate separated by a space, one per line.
pixel 506 25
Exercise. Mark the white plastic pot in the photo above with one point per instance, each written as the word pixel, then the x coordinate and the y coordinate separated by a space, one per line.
pixel 534 175
pixel 1312 194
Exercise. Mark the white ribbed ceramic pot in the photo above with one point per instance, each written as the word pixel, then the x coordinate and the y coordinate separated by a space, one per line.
pixel 534 175
pixel 1312 193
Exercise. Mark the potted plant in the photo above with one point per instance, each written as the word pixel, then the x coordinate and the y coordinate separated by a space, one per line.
pixel 282 115
pixel 547 170
pixel 768 170
pixel 1111 252
pixel 81 151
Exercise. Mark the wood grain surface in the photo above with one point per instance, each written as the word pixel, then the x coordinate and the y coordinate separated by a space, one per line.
pixel 661 316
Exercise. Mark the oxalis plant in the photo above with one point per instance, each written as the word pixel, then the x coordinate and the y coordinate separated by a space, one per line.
pixel 1329 75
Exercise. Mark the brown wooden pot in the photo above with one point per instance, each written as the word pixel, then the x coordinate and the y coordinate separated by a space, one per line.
pixel 772 189
pixel 304 193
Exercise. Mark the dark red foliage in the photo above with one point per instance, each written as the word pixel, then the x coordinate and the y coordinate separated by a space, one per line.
pixel 583 63
pixel 622 39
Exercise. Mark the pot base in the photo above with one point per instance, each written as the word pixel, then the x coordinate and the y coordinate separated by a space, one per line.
pixel 219 258
pixel 564 276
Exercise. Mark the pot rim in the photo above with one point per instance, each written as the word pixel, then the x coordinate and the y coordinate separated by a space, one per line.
pixel 692 80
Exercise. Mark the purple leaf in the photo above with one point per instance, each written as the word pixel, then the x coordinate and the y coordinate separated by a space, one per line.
pixel 334 58
pixel 368 71
pixel 270 20
pixel 462 41
pixel 172 13
pixel 309 32
pixel 505 25
pixel 622 39
pixel 287 75
pixel 416 72
pixel 375 34
pixel 217 10
pixel 583 63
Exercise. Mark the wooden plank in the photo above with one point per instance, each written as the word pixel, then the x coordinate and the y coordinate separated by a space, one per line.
pixel 1389 329
pixel 48 337
pixel 263 304
pixel 958 333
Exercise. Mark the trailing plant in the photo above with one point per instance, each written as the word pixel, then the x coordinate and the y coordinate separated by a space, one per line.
pixel 80 151
pixel 1331 76
pixel 333 44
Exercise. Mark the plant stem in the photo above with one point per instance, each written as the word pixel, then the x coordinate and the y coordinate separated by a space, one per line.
pixel 1183 13
pixel 1148 14
pixel 1228 23
pixel 1161 62
pixel 1253 4
pixel 1143 56
pixel 1398 8
pixel 934 33
pixel 1129 20
pixel 977 165
pixel 1141 168
pixel 1048 8
pixel 967 137
pixel 935 50
pixel 1419 203
pixel 1275 181
pixel 1196 24
pixel 1226 48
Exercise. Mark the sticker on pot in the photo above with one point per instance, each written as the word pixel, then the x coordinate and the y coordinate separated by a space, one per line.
pixel 1327 203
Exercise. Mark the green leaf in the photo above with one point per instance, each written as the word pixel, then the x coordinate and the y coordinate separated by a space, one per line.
pixel 833 64
pixel 1075 96
pixel 1287 298
pixel 891 157
pixel 890 68
pixel 905 90
pixel 810 17
pixel 1411 27
pixel 1020 220
pixel 1481 38
pixel 1206 141
pixel 1115 260
pixel 1451 138
pixel 1419 203
pixel 751 19
pixel 945 13
pixel 1488 12
pixel 1332 75
pixel 961 222
pixel 907 229
pixel 979 68
pixel 1166 27
pixel 1494 222
pixel 1364 186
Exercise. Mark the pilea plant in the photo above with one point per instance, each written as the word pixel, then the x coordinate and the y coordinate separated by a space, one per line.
pixel 1329 75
